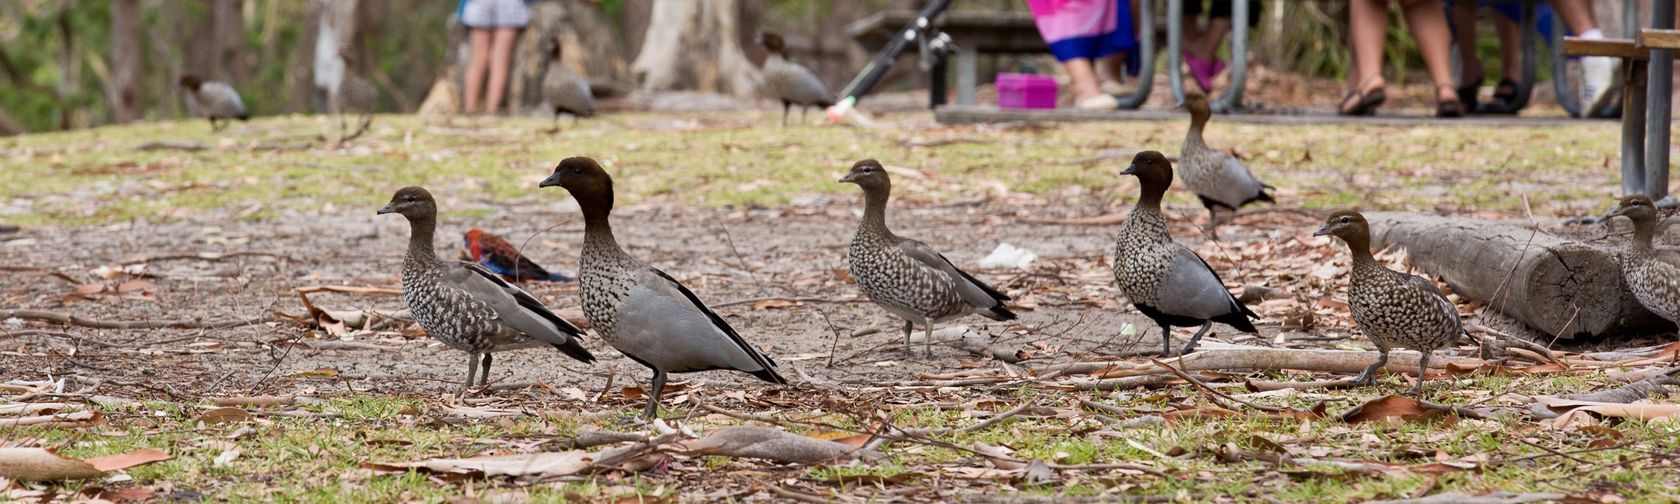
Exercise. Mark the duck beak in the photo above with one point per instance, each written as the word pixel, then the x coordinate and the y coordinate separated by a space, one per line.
pixel 1323 230
pixel 850 178
pixel 387 209
pixel 551 181
pixel 1130 170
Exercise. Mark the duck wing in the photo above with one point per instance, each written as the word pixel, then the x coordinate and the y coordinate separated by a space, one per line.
pixel 666 325
pixel 514 307
pixel 972 290
pixel 1193 289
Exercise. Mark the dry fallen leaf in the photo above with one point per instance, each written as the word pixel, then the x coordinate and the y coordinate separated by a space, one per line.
pixel 543 464
pixel 223 415
pixel 772 444
pixel 1391 407
pixel 40 464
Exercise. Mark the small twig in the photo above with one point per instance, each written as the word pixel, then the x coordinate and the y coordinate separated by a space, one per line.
pixel 1215 392
pixel 60 334
pixel 205 256
pixel 739 302
pixel 74 320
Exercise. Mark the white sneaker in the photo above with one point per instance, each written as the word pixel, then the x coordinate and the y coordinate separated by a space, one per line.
pixel 1597 77
pixel 1099 102
pixel 1113 88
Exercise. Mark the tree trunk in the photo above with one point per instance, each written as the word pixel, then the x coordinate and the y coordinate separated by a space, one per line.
pixel 694 46
pixel 1554 285
pixel 227 39
pixel 335 32
pixel 124 90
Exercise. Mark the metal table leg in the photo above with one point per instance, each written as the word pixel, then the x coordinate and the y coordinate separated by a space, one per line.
pixel 1146 56
pixel 1529 24
pixel 1175 46
pixel 1231 99
pixel 1566 95
pixel 1659 102
pixel 1633 127
pixel 968 66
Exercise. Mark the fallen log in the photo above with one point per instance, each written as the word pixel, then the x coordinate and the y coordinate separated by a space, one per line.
pixel 1557 286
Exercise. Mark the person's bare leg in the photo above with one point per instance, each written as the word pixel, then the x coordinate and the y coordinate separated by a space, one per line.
pixel 1576 14
pixel 1510 49
pixel 1429 28
pixel 478 61
pixel 1464 31
pixel 1207 43
pixel 501 55
pixel 1084 78
pixel 1114 68
pixel 1368 23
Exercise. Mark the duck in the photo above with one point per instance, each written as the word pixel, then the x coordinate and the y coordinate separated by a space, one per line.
pixel 466 306
pixel 789 82
pixel 1391 308
pixel 352 95
pixel 214 100
pixel 906 277
pixel 1218 178
pixel 1166 281
pixel 640 310
pixel 564 90
pixel 1654 282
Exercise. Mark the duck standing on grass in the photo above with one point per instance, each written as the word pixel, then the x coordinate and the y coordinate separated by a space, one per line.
pixel 214 100
pixel 906 276
pixel 1393 309
pixel 1165 280
pixel 1219 179
pixel 642 311
pixel 467 307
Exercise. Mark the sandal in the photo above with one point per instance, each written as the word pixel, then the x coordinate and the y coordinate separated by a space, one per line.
pixel 1467 92
pixel 1364 99
pixel 1449 107
pixel 1504 99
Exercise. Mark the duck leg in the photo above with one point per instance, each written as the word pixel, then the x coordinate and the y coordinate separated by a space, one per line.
pixel 1198 337
pixel 1166 340
pixel 908 327
pixel 1423 367
pixel 472 368
pixel 484 372
pixel 653 394
pixel 1369 376
pixel 1212 228
pixel 785 106
pixel 927 343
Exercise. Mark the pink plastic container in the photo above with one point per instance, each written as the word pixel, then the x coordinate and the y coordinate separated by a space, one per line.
pixel 1026 91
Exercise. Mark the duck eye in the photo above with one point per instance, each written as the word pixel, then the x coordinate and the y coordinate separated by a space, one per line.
pixel 1346 220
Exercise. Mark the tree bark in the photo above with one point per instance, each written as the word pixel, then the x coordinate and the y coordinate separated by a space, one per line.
pixel 126 59
pixel 694 46
pixel 227 36
pixel 1554 285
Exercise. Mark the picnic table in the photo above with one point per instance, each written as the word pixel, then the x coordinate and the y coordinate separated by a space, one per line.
pixel 1647 95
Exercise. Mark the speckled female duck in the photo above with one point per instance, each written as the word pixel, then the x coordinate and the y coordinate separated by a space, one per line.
pixel 467 307
pixel 907 277
pixel 1655 283
pixel 642 311
pixel 1165 280
pixel 1221 180
pixel 1393 309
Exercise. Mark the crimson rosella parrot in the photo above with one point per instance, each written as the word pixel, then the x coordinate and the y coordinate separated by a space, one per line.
pixel 500 257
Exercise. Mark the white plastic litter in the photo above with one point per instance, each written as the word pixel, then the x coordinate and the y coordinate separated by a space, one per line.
pixel 1008 255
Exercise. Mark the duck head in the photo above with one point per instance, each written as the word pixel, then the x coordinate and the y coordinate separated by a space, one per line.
pixel 586 181
pixel 413 202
